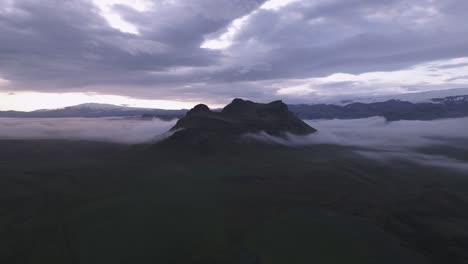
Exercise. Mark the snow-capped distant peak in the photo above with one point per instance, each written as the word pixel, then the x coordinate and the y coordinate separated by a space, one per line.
pixel 451 100
pixel 98 107
pixel 419 97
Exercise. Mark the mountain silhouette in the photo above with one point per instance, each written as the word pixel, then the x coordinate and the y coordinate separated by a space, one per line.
pixel 201 125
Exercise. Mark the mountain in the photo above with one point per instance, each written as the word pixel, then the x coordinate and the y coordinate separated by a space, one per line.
pixel 392 110
pixel 413 97
pixel 430 105
pixel 201 125
pixel 244 203
pixel 97 110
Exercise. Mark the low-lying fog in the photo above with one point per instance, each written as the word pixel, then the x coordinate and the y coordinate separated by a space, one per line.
pixel 430 143
pixel 376 132
pixel 118 130
pixel 374 137
pixel 385 141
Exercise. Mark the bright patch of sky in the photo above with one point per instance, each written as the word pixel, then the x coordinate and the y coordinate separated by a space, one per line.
pixel 29 101
pixel 3 82
pixel 448 74
pixel 114 19
pixel 276 4
pixel 225 39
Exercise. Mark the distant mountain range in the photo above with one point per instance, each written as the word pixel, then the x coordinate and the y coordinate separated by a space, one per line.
pixel 392 110
pixel 97 110
pixel 416 97
pixel 414 106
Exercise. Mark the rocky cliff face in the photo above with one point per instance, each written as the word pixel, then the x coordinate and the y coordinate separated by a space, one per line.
pixel 239 117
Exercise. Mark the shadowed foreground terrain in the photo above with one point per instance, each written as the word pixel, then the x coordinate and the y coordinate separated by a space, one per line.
pixel 87 202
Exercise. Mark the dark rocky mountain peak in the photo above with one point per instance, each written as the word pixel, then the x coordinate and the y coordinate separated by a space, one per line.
pixel 200 108
pixel 243 108
pixel 201 125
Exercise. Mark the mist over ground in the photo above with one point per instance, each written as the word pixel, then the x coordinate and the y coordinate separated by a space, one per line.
pixel 373 138
pixel 116 130
pixel 389 141
pixel 376 132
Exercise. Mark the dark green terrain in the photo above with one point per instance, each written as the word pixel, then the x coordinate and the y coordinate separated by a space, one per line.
pixel 87 202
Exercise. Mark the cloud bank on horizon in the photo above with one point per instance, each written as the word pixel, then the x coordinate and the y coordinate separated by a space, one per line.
pixel 214 50
pixel 115 130
pixel 373 138
pixel 429 143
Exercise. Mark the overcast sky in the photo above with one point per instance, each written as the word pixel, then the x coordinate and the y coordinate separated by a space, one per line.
pixel 180 52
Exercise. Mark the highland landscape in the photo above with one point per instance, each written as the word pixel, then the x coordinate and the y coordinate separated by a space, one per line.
pixel 233 132
pixel 227 187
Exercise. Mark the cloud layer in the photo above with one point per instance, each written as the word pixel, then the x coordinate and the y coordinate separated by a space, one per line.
pixel 269 46
pixel 378 139
pixel 117 130
pixel 377 133
pixel 372 137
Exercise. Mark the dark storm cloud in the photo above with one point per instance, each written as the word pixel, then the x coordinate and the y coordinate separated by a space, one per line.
pixel 68 44
pixel 318 38
pixel 464 77
pixel 451 66
pixel 55 45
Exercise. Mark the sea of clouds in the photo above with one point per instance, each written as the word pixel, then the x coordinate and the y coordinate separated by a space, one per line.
pixel 116 130
pixel 378 139
pixel 373 137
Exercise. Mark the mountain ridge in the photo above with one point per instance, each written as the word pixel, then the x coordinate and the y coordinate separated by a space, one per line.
pixel 392 110
pixel 395 108
pixel 97 110
pixel 203 127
